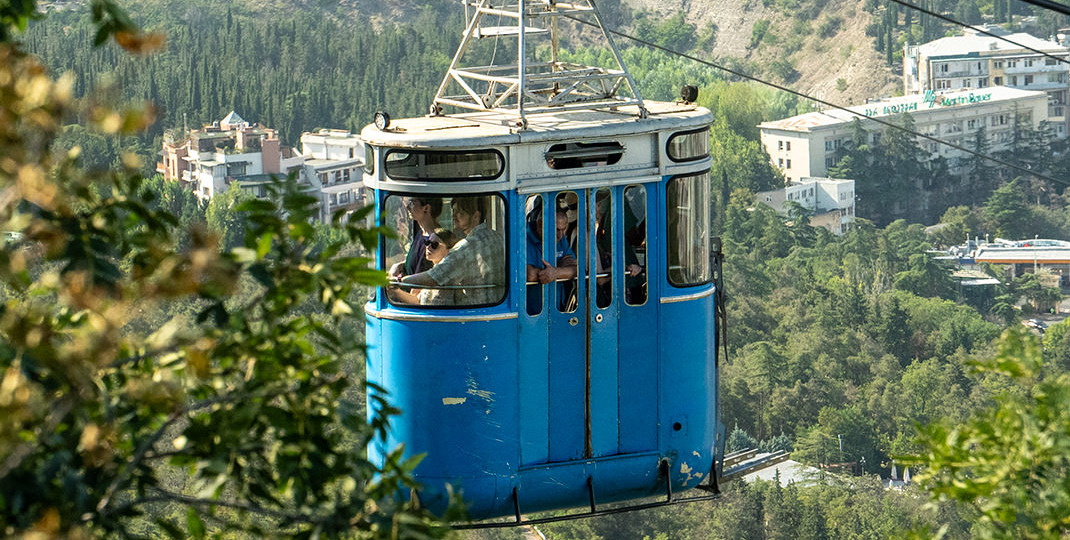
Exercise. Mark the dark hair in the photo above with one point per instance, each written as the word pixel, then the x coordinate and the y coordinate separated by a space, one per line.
pixel 447 237
pixel 435 202
pixel 470 205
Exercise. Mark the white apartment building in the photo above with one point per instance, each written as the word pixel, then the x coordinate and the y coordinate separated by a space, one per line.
pixel 233 152
pixel 805 145
pixel 977 61
pixel 334 162
pixel 230 151
pixel 832 201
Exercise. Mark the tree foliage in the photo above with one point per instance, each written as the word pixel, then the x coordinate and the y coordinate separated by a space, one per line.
pixel 1009 460
pixel 239 417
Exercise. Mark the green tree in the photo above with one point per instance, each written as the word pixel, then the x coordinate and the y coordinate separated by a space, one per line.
pixel 1009 459
pixel 1008 212
pixel 239 419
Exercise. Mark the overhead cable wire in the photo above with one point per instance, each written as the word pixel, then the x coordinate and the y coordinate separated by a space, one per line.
pixel 1050 6
pixel 828 104
pixel 979 30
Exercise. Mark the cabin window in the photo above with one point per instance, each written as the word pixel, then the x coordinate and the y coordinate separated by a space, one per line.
pixel 369 159
pixel 444 166
pixel 534 213
pixel 603 239
pixel 566 230
pixel 691 145
pixel 688 224
pixel 577 155
pixel 634 245
pixel 449 250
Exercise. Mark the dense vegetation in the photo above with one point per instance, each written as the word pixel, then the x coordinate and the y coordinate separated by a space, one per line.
pixel 859 337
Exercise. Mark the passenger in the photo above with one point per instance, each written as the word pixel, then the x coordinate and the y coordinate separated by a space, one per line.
pixel 424 212
pixel 477 263
pixel 541 271
pixel 442 240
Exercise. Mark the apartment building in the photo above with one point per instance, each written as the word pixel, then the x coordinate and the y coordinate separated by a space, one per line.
pixel 230 151
pixel 831 201
pixel 334 161
pixel 806 145
pixel 976 61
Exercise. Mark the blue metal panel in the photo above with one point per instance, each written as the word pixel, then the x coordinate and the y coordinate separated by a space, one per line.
pixel 639 346
pixel 603 334
pixel 687 414
pixel 532 354
pixel 455 384
pixel 567 346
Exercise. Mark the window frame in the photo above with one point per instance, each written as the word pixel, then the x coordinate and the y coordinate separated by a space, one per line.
pixel 381 259
pixel 497 153
pixel 669 144
pixel 708 278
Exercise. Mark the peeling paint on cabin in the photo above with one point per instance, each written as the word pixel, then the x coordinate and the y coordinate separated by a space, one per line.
pixel 482 394
pixel 454 400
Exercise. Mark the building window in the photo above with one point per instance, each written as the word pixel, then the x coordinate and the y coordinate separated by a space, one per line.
pixel 780 145
pixel 787 146
pixel 1014 80
pixel 998 81
pixel 789 164
pixel 1050 61
pixel 982 83
pixel 965 83
pixel 997 64
pixel 943 68
pixel 1028 80
pixel 780 163
pixel 943 84
pixel 971 125
pixel 1012 63
pixel 830 162
pixel 1029 62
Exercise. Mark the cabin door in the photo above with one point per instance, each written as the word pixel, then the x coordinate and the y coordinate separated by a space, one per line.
pixel 597 241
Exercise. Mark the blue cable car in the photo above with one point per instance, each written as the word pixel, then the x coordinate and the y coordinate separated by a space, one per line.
pixel 549 330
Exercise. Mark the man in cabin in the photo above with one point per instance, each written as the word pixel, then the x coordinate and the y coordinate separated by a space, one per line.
pixel 476 263
pixel 541 271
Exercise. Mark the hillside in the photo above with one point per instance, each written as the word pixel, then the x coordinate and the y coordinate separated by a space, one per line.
pixel 824 42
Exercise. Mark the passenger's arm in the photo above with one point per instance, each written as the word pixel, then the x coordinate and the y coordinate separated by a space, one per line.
pixel 420 279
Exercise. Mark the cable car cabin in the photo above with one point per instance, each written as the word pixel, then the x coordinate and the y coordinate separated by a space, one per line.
pixel 549 336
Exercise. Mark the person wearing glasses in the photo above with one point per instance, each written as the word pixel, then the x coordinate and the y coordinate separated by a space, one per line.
pixel 424 213
pixel 476 263
pixel 442 240
pixel 539 270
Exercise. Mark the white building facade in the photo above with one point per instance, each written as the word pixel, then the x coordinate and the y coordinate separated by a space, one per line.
pixel 976 61
pixel 806 145
pixel 334 162
pixel 832 201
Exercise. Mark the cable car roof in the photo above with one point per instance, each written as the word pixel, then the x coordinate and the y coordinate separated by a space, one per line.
pixel 482 129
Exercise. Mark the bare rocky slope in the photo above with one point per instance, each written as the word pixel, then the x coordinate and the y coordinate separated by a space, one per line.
pixel 825 42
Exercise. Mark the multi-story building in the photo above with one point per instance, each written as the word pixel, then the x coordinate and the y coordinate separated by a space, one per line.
pixel 831 201
pixel 806 145
pixel 231 151
pixel 334 161
pixel 977 61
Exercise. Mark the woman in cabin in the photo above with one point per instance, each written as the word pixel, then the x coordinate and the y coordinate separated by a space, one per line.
pixel 435 249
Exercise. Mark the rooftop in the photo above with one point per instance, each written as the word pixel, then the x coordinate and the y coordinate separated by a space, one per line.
pixel 977 44
pixel 915 103
pixel 488 128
